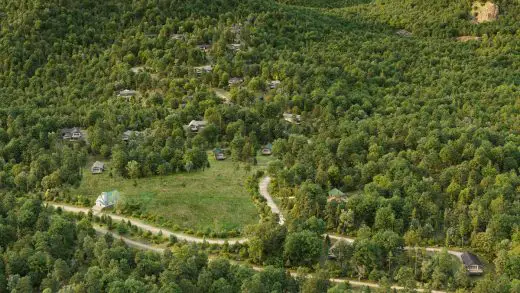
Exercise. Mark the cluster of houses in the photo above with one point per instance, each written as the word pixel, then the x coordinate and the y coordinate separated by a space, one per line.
pixel 73 134
pixel 235 81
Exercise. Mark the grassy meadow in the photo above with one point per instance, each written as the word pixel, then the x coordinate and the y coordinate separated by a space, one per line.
pixel 214 200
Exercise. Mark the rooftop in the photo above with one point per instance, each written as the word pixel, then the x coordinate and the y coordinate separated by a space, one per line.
pixel 470 259
pixel 127 93
pixel 336 192
pixel 98 164
pixel 197 123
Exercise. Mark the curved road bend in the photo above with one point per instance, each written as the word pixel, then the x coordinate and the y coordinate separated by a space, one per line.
pixel 147 227
pixel 263 188
pixel 264 184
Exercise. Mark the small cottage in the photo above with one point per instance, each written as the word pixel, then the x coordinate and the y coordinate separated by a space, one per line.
pixel 127 134
pixel 204 47
pixel 219 154
pixel 404 33
pixel 107 200
pixel 196 126
pixel 292 118
pixel 333 253
pixel 234 47
pixel 126 93
pixel 98 167
pixel 472 264
pixel 236 28
pixel 131 134
pixel 273 84
pixel 178 37
pixel 267 149
pixel 234 81
pixel 203 69
pixel 336 195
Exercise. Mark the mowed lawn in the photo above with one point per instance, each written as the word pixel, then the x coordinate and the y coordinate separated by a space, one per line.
pixel 211 200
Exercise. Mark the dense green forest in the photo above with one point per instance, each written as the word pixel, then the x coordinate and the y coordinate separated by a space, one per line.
pixel 421 131
pixel 43 251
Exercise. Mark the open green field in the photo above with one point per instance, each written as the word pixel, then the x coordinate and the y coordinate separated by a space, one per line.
pixel 214 200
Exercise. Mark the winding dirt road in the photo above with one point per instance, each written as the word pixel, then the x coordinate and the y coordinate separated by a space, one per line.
pixel 144 246
pixel 263 189
pixel 144 226
pixel 264 184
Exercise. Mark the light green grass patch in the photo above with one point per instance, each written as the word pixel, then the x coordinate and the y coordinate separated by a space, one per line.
pixel 212 200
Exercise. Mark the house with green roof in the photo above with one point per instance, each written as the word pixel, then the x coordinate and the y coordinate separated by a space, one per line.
pixel 336 195
pixel 267 149
pixel 219 154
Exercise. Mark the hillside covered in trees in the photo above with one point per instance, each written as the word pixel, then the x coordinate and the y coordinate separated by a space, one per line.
pixel 410 108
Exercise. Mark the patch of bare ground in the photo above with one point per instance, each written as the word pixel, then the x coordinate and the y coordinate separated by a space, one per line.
pixel 484 12
pixel 468 38
pixel 404 33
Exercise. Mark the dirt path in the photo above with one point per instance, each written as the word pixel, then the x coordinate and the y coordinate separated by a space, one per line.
pixel 130 242
pixel 147 227
pixel 263 188
pixel 144 246
pixel 264 184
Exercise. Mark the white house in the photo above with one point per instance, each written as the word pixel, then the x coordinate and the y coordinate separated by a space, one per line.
pixel 126 93
pixel 196 125
pixel 98 167
pixel 235 81
pixel 292 118
pixel 273 84
pixel 107 199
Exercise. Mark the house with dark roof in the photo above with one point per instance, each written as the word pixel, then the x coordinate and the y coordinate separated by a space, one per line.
pixel 179 37
pixel 472 264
